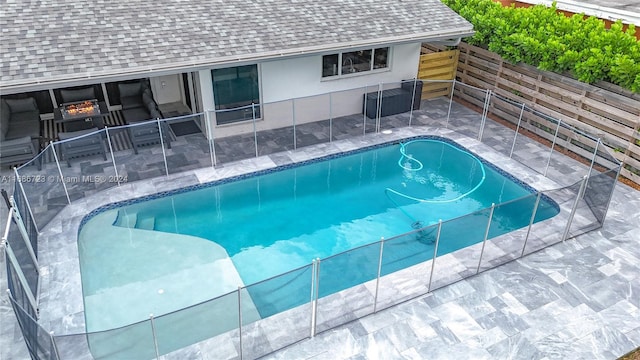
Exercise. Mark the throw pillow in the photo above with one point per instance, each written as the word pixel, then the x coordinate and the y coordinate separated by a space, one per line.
pixel 22 105
pixel 130 89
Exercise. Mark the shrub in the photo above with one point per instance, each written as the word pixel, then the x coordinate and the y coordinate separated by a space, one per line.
pixel 551 41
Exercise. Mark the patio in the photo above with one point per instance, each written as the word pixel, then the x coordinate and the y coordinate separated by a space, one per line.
pixel 572 300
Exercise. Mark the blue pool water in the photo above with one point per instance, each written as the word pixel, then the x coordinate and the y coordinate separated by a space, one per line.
pixel 281 220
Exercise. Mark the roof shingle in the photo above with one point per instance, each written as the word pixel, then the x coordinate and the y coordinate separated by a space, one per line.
pixel 51 41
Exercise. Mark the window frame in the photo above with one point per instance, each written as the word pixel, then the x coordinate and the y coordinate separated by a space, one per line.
pixel 244 114
pixel 338 74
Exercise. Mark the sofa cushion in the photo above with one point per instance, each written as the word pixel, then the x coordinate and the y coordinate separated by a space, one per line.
pixel 5 117
pixel 22 105
pixel 20 146
pixel 136 114
pixel 77 95
pixel 131 102
pixel 24 124
pixel 18 130
pixel 130 89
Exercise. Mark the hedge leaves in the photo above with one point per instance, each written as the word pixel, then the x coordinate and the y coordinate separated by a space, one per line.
pixel 540 36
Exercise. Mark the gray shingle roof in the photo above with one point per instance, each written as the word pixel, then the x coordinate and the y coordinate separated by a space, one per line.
pixel 56 41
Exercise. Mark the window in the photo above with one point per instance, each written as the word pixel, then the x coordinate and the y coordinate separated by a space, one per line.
pixel 236 87
pixel 354 62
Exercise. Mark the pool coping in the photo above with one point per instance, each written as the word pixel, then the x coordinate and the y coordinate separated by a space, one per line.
pixel 60 275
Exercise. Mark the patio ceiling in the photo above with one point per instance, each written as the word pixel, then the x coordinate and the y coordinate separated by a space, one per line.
pixel 47 44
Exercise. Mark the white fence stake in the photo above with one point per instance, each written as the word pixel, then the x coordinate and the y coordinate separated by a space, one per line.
pixel 113 159
pixel 64 185
pixel 486 235
pixel 375 298
pixel 435 254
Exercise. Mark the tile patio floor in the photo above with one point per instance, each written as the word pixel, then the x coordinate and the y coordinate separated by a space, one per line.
pixel 574 300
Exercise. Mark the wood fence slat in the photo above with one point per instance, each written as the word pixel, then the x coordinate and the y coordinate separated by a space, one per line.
pixel 437 66
pixel 597 121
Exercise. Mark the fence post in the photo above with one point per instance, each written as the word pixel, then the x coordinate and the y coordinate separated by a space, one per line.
pixel 593 161
pixel 375 298
pixel 113 159
pixel 533 216
pixel 364 113
pixel 573 209
pixel 55 156
pixel 255 133
pixel 212 145
pixel 312 300
pixel 164 154
pixel 413 99
pixel 240 321
pixel 155 336
pixel 515 137
pixel 379 109
pixel 315 301
pixel 435 254
pixel 293 116
pixel 485 111
pixel 446 126
pixel 26 201
pixel 331 117
pixel 553 145
pixel 486 235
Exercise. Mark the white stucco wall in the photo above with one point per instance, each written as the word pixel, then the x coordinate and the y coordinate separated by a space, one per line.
pixel 301 78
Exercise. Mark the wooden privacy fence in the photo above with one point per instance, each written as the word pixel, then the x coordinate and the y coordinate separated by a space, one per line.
pixel 605 111
pixel 437 66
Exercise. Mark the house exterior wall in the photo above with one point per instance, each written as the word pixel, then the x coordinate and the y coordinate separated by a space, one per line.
pixel 301 78
pixel 167 89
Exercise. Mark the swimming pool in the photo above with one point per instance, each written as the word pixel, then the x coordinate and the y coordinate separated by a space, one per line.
pixel 148 255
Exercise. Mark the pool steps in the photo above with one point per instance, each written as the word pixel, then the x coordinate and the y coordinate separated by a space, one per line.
pixel 125 219
pixel 146 223
pixel 132 220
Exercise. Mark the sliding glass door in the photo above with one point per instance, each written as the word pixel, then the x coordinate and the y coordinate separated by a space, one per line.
pixel 234 90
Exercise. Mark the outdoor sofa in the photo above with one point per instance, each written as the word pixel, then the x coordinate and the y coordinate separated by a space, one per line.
pixel 138 106
pixel 19 131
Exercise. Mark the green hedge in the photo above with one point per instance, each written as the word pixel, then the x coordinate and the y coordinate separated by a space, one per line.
pixel 540 36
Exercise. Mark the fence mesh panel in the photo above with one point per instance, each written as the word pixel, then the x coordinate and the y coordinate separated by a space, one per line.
pixel 342 287
pixel 42 184
pixel 197 323
pixel 189 145
pixel 86 164
pixel 37 339
pixel 468 121
pixel 276 312
pixel 18 292
pixel 134 341
pixel 405 266
pixel 21 204
pixel 311 115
